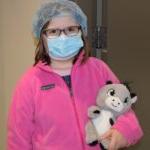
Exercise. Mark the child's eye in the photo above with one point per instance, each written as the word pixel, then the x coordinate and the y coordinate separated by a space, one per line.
pixel 126 100
pixel 111 92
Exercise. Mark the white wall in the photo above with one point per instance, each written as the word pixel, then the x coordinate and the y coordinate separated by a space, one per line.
pixel 16 51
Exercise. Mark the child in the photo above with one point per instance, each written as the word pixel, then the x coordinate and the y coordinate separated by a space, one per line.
pixel 49 105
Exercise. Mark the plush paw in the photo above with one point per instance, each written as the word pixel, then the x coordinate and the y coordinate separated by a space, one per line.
pixel 96 112
pixel 93 143
pixel 102 147
pixel 105 143
pixel 93 111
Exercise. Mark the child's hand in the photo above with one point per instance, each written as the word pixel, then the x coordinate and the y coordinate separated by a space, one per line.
pixel 117 140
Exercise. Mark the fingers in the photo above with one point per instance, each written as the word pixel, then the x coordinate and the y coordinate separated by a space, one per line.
pixel 116 139
pixel 107 135
pixel 112 145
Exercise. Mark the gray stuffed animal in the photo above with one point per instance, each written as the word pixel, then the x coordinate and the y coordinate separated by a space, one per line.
pixel 112 101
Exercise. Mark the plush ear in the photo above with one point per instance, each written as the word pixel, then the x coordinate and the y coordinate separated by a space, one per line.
pixel 134 99
pixel 126 83
pixel 109 82
pixel 132 95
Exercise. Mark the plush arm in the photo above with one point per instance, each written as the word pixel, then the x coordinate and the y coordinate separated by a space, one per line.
pixel 93 111
pixel 129 127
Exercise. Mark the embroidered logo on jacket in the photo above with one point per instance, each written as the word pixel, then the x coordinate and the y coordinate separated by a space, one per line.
pixel 48 86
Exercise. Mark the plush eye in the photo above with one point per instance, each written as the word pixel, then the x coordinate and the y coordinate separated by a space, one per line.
pixel 126 100
pixel 111 92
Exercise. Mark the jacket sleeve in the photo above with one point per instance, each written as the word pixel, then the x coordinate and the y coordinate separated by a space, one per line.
pixel 127 124
pixel 20 118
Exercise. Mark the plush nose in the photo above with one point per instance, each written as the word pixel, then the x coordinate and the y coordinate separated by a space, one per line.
pixel 116 101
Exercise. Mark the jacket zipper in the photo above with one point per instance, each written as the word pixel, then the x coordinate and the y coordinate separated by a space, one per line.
pixel 78 123
pixel 76 113
pixel 75 110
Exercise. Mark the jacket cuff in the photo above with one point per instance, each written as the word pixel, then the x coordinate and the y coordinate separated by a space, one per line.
pixel 129 127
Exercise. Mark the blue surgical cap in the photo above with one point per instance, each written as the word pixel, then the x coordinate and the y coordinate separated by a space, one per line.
pixel 53 8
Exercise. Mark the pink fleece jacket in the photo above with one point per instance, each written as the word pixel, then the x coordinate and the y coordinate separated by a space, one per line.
pixel 44 116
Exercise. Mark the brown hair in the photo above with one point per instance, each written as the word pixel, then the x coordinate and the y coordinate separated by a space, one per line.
pixel 42 55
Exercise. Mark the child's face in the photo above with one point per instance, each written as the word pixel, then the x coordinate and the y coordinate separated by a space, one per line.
pixel 61 22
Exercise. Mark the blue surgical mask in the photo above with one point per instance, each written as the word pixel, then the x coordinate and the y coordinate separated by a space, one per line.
pixel 64 47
